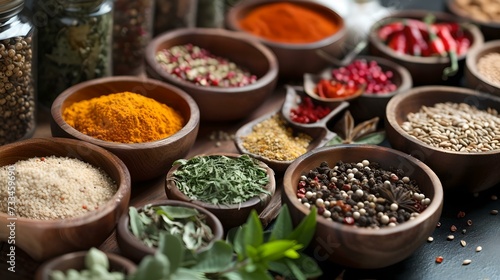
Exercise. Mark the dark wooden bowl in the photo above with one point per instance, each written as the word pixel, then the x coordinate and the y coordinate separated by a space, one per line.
pixel 369 105
pixel 490 30
pixel 319 132
pixel 46 239
pixel 229 215
pixel 219 103
pixel 366 248
pixel 144 160
pixel 135 249
pixel 295 59
pixel 471 172
pixel 424 70
pixel 473 78
pixel 76 260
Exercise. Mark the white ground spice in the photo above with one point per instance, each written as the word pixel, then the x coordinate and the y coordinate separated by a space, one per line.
pixel 489 67
pixel 52 187
pixel 455 127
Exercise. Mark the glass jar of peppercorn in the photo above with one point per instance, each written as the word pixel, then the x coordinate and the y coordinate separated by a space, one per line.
pixel 132 31
pixel 74 44
pixel 17 83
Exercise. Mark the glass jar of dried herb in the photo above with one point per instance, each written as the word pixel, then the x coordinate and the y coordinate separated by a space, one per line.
pixel 172 14
pixel 132 31
pixel 74 44
pixel 17 88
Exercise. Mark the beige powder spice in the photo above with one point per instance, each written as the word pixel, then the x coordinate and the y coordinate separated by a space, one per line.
pixel 55 188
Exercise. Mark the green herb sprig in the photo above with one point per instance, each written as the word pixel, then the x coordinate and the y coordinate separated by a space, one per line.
pixel 219 179
pixel 148 222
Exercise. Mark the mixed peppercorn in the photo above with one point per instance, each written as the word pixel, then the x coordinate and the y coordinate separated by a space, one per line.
pixel 197 65
pixel 361 194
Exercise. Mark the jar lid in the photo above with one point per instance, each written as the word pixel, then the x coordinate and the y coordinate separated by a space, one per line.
pixel 9 8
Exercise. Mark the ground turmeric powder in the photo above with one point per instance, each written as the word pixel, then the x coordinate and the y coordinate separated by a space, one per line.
pixel 288 23
pixel 123 117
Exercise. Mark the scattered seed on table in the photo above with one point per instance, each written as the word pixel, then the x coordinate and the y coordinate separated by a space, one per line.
pixel 463 243
pixel 438 224
pixel 430 239
pixel 461 214
pixel 450 237
pixel 439 259
pixel 464 231
pixel 469 222
pixel 479 248
pixel 466 262
pixel 453 228
pixel 494 197
pixel 494 212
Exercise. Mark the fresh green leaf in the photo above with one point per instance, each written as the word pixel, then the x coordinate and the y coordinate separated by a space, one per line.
pixel 336 140
pixel 251 233
pixel 305 264
pixel 136 225
pixel 283 225
pixel 260 274
pixel 294 268
pixel 304 232
pixel 218 257
pixel 171 246
pixel 176 212
pixel 153 267
pixel 187 274
pixel 96 257
pixel 374 138
pixel 278 249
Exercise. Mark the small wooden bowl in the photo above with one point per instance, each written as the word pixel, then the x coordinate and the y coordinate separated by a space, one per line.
pixel 319 133
pixel 43 239
pixel 490 29
pixel 76 260
pixel 474 79
pixel 424 70
pixel 473 172
pixel 144 160
pixel 229 215
pixel 135 249
pixel 295 59
pixel 366 248
pixel 220 103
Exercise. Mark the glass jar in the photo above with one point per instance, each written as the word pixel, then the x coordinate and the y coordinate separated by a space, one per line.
pixel 210 13
pixel 17 82
pixel 74 44
pixel 132 31
pixel 172 14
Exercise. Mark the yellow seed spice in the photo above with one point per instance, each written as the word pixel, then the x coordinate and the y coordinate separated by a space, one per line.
pixel 274 140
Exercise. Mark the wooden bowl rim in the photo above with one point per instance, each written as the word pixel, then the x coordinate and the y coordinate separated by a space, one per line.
pixel 123 190
pixel 433 207
pixel 131 240
pixel 268 78
pixel 394 105
pixel 188 127
pixel 176 194
pixel 475 33
pixel 232 22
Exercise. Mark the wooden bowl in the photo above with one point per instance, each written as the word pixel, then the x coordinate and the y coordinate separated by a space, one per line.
pixel 474 79
pixel 489 29
pixel 295 59
pixel 474 171
pixel 424 70
pixel 219 103
pixel 144 160
pixel 135 249
pixel 232 215
pixel 319 133
pixel 76 260
pixel 369 105
pixel 43 239
pixel 366 248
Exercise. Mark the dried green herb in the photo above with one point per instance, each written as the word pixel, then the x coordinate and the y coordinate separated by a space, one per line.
pixel 190 225
pixel 74 44
pixel 219 179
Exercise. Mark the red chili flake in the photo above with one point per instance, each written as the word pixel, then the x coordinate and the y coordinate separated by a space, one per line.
pixel 84 206
pixel 349 220
pixel 439 259
pixel 42 159
pixel 453 228
pixel 461 214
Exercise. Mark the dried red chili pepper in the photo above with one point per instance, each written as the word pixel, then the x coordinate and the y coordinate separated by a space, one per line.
pixel 334 89
pixel 398 43
pixel 389 29
pixel 463 45
pixel 416 43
